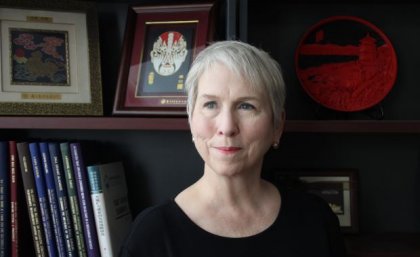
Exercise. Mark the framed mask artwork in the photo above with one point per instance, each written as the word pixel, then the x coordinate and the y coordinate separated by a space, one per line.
pixel 159 46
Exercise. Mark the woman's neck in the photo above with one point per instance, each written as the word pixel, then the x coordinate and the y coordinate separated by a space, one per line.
pixel 231 207
pixel 234 191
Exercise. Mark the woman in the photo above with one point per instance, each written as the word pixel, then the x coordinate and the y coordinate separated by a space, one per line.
pixel 236 98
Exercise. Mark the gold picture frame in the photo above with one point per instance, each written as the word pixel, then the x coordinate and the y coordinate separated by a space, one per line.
pixel 49 59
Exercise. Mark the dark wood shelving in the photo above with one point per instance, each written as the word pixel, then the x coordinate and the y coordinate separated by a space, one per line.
pixel 181 123
pixel 98 123
pixel 353 126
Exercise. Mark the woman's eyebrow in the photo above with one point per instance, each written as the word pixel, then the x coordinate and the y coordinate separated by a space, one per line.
pixel 241 98
pixel 208 96
pixel 248 98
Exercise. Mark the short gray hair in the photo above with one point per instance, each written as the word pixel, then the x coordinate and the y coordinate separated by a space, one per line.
pixel 252 64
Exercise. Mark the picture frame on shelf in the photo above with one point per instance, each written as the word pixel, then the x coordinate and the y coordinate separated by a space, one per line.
pixel 159 47
pixel 49 59
pixel 337 187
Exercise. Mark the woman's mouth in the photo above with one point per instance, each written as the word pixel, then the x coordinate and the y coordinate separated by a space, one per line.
pixel 228 149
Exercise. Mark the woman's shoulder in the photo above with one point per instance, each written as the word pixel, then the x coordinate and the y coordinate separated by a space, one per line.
pixel 310 218
pixel 300 202
pixel 154 215
pixel 148 226
pixel 149 229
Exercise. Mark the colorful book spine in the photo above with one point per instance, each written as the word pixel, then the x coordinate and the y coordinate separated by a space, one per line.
pixel 4 200
pixel 59 179
pixel 85 203
pixel 21 241
pixel 72 195
pixel 31 198
pixel 52 198
pixel 14 200
pixel 41 190
pixel 99 211
pixel 110 204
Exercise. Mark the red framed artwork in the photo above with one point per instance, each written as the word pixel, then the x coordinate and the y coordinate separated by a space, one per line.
pixel 159 46
pixel 346 63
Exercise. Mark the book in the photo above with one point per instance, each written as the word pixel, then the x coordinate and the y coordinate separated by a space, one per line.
pixel 21 241
pixel 52 198
pixel 31 198
pixel 43 202
pixel 111 210
pixel 4 200
pixel 85 203
pixel 72 196
pixel 63 202
pixel 14 202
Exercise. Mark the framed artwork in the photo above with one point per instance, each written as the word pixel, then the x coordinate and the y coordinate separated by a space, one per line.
pixel 337 187
pixel 159 46
pixel 49 59
pixel 346 63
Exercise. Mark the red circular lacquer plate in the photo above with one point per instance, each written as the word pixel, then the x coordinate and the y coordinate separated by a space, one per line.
pixel 346 63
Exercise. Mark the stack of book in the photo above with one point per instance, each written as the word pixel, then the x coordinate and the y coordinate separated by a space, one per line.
pixel 73 209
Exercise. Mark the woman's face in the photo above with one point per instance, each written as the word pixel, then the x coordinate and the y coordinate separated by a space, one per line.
pixel 231 123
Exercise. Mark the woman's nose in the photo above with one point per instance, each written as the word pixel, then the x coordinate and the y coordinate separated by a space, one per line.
pixel 227 124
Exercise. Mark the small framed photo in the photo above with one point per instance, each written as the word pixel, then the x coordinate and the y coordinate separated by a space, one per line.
pixel 49 59
pixel 337 187
pixel 159 46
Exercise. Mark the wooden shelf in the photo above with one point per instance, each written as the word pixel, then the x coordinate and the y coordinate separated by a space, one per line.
pixel 353 126
pixel 159 123
pixel 98 123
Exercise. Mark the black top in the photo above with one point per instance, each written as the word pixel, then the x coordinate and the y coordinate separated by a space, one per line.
pixel 305 226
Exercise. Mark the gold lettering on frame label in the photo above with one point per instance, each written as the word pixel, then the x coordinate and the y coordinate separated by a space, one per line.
pixel 151 78
pixel 39 19
pixel 41 96
pixel 173 101
pixel 180 84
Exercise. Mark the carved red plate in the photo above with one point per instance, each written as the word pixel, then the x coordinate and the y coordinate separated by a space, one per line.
pixel 346 63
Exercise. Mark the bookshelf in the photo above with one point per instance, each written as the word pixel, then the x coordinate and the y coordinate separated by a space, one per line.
pixel 385 152
pixel 181 124
pixel 92 123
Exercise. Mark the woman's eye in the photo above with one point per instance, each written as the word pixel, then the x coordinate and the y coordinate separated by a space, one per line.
pixel 210 105
pixel 246 106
